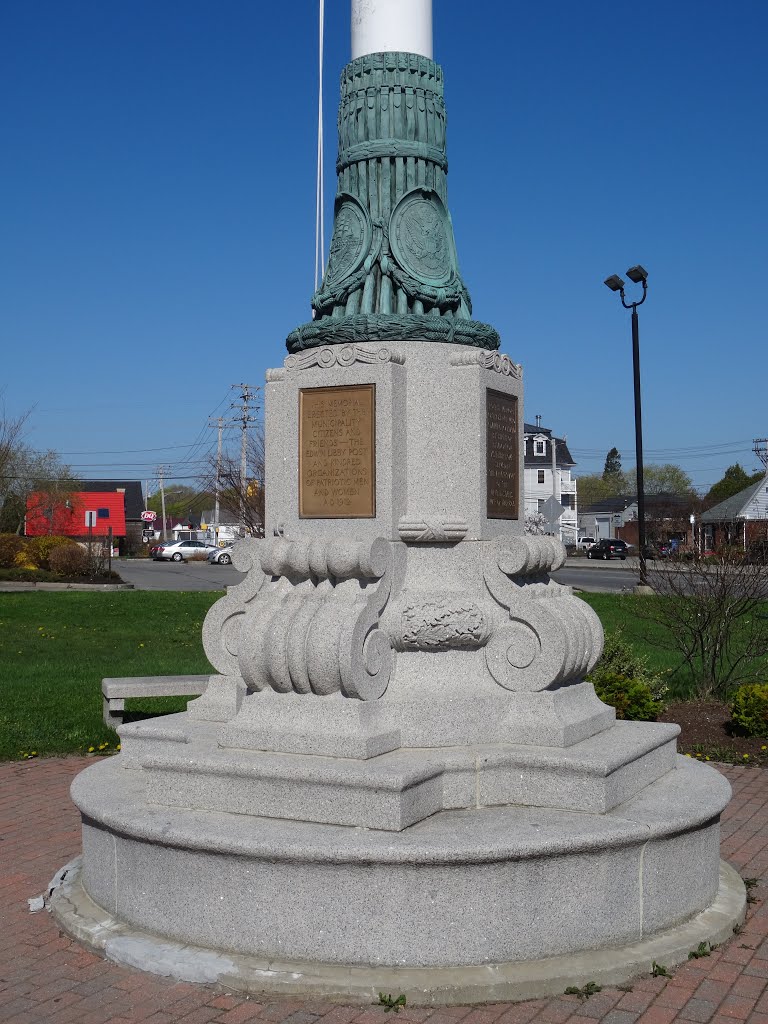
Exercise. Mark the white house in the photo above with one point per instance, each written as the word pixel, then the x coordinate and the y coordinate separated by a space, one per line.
pixel 547 474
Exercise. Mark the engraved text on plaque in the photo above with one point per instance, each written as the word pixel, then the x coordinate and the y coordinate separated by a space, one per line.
pixel 502 456
pixel 337 452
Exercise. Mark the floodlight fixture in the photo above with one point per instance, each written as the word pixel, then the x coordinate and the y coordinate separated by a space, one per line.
pixel 614 282
pixel 638 274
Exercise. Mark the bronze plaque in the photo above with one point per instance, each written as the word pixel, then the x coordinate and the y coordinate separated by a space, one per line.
pixel 502 456
pixel 337 452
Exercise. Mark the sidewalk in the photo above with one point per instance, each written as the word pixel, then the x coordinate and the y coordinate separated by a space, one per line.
pixel 46 977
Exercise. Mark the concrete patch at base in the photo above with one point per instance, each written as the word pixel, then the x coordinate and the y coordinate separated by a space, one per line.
pixel 82 919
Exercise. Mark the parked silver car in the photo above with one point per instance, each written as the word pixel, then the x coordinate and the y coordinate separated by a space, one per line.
pixel 181 550
pixel 221 556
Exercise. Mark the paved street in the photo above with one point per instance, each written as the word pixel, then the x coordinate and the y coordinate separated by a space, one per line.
pixel 46 977
pixel 148 575
pixel 615 576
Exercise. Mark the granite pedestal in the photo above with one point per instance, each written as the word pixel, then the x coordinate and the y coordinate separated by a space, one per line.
pixel 397 765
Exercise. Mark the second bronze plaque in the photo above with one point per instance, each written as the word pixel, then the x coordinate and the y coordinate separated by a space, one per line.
pixel 502 456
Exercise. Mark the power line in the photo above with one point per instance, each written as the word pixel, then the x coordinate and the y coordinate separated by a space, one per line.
pixel 130 451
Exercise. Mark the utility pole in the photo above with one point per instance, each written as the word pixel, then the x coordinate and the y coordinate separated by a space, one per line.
pixel 219 424
pixel 760 448
pixel 246 405
pixel 161 482
pixel 557 528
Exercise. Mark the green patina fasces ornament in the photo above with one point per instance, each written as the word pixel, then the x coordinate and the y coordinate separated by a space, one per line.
pixel 392 272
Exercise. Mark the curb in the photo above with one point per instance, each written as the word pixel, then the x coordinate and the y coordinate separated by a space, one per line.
pixel 24 587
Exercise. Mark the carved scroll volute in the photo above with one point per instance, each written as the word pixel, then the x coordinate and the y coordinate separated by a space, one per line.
pixel 223 623
pixel 552 637
pixel 345 648
pixel 367 658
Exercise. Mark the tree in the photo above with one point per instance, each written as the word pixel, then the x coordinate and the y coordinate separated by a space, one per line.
pixel 536 524
pixel 242 498
pixel 11 432
pixel 592 488
pixel 181 501
pixel 612 472
pixel 734 479
pixel 30 481
pixel 661 479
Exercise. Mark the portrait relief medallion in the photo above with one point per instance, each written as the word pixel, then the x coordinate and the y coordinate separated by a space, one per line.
pixel 421 238
pixel 350 242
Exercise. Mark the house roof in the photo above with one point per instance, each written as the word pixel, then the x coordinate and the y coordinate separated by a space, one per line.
pixel 653 503
pixel 610 504
pixel 134 495
pixel 734 507
pixel 562 456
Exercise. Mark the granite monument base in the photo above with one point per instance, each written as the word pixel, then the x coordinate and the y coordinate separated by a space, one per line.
pixel 397 764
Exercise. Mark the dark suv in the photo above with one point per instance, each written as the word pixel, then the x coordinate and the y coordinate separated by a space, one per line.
pixel 606 549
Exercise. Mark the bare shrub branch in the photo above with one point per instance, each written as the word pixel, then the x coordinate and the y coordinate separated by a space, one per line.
pixel 715 613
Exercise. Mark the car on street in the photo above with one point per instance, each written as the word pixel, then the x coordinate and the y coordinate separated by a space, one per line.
pixel 221 556
pixel 608 548
pixel 180 550
pixel 657 551
pixel 584 543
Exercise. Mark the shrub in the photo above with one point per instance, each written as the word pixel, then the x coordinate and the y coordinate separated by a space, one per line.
pixel 712 612
pixel 632 698
pixel 619 658
pixel 69 560
pixel 749 708
pixel 11 546
pixel 39 549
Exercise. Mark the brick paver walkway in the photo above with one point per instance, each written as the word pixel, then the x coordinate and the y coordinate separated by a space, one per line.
pixel 44 976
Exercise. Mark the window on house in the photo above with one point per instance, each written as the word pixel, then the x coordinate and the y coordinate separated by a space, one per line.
pixel 566 500
pixel 540 447
pixel 102 513
pixel 541 476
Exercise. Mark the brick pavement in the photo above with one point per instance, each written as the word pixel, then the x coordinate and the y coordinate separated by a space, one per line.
pixel 44 976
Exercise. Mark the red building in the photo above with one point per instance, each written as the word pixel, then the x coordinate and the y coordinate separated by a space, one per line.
pixel 69 520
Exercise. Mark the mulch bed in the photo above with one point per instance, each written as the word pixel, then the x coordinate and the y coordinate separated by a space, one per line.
pixel 707 732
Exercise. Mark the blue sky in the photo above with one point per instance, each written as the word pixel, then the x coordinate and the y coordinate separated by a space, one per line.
pixel 157 233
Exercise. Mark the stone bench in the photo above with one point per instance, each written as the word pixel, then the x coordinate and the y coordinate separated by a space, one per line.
pixel 115 691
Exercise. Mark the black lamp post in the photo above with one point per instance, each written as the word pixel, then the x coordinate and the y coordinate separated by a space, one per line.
pixel 638 276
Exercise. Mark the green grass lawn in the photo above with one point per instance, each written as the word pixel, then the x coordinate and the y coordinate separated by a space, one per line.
pixel 55 648
pixel 648 638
